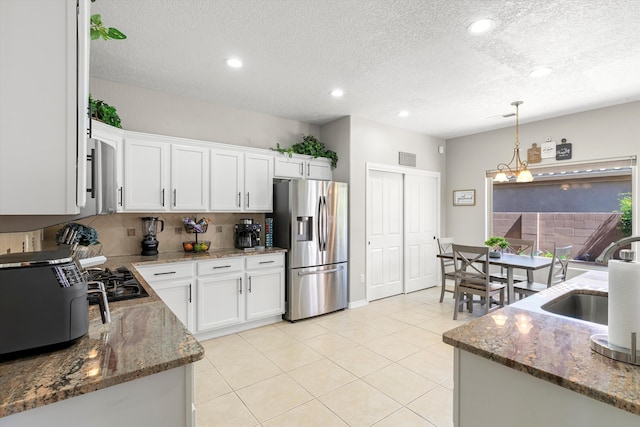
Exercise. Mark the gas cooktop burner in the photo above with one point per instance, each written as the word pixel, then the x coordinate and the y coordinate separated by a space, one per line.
pixel 119 284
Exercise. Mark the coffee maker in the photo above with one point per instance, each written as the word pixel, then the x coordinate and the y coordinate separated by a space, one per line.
pixel 247 234
pixel 149 229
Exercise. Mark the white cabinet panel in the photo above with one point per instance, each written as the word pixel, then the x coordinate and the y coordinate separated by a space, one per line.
pixel 43 105
pixel 319 169
pixel 288 167
pixel 241 182
pixel 173 282
pixel 189 178
pixel 227 180
pixel 146 167
pixel 265 293
pixel 258 182
pixel 301 167
pixel 220 301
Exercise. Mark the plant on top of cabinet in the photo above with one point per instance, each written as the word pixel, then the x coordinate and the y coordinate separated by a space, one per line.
pixel 311 146
pixel 99 30
pixel 104 112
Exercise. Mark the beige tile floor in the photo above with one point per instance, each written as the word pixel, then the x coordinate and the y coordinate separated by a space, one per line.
pixel 383 364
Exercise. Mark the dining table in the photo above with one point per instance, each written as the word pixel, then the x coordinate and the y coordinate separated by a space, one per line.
pixel 511 262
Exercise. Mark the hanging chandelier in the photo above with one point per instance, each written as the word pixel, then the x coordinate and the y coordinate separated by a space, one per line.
pixel 519 169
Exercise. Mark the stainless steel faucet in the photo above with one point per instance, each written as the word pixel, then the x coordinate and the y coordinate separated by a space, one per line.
pixel 608 252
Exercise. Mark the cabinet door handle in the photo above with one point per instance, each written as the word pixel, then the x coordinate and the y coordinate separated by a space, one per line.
pixel 247 199
pixel 221 266
pixel 308 168
pixel 302 168
pixel 90 130
pixel 121 196
pixel 239 202
pixel 175 197
pixel 190 293
pixel 164 273
pixel 163 197
pixel 267 262
pixel 240 285
pixel 249 284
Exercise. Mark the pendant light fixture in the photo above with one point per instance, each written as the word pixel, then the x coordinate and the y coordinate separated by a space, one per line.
pixel 519 169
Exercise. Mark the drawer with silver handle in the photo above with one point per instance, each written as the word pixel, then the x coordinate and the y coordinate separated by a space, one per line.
pixel 220 266
pixel 265 261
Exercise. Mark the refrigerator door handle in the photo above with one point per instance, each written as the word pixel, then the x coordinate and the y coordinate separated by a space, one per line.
pixel 309 273
pixel 320 228
pixel 325 223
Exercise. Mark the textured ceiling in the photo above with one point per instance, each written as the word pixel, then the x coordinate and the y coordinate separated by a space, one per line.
pixel 387 56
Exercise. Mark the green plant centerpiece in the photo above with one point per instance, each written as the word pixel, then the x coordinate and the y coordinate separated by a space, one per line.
pixel 497 244
pixel 312 146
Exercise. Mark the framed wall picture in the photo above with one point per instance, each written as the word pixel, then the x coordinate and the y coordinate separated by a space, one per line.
pixel 464 197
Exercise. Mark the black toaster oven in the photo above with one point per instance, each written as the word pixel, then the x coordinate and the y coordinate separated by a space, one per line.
pixel 43 300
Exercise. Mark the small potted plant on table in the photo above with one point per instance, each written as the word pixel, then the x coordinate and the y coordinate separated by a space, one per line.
pixel 497 245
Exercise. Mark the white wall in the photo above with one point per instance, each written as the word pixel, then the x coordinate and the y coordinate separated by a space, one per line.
pixel 161 113
pixel 376 143
pixel 596 134
pixel 336 135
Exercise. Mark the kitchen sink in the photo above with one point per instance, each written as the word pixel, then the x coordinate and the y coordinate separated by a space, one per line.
pixel 587 305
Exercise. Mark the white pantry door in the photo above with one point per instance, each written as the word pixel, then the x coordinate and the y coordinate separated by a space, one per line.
pixel 421 223
pixel 385 239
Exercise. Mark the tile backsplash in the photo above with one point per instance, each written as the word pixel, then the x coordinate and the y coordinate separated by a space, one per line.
pixel 24 241
pixel 121 234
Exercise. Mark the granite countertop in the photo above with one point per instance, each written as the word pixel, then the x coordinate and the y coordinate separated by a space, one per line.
pixel 551 347
pixel 143 338
pixel 165 257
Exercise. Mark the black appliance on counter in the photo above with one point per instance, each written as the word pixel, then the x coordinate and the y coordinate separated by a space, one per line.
pixel 247 234
pixel 149 229
pixel 43 300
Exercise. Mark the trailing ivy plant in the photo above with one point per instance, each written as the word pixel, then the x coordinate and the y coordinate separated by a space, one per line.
pixel 99 30
pixel 625 210
pixel 312 146
pixel 104 112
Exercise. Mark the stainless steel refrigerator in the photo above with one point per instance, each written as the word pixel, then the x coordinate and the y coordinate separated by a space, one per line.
pixel 310 221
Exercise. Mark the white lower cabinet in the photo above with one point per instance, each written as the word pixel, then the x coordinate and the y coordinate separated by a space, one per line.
pixel 220 293
pixel 233 292
pixel 265 286
pixel 173 282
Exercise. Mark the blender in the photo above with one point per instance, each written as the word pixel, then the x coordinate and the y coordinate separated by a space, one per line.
pixel 149 229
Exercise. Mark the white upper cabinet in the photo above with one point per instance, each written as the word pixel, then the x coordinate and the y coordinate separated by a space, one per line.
pixel 189 178
pixel 146 176
pixel 241 181
pixel 258 182
pixel 301 167
pixel 44 58
pixel 227 180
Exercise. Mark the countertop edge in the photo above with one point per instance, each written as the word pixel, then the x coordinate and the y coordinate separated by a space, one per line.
pixel 465 338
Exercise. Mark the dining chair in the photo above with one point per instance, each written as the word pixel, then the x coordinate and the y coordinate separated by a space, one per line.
pixel 557 273
pixel 472 279
pixel 446 265
pixel 522 247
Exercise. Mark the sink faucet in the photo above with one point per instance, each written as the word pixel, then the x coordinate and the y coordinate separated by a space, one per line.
pixel 608 252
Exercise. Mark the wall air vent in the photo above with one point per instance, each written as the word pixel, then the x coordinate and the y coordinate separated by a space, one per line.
pixel 407 159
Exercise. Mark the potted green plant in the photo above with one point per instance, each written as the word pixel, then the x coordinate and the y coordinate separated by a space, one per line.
pixel 497 244
pixel 104 112
pixel 311 146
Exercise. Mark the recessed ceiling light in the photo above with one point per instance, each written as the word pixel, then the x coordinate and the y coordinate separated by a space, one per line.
pixel 234 63
pixel 337 93
pixel 541 72
pixel 403 113
pixel 481 26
